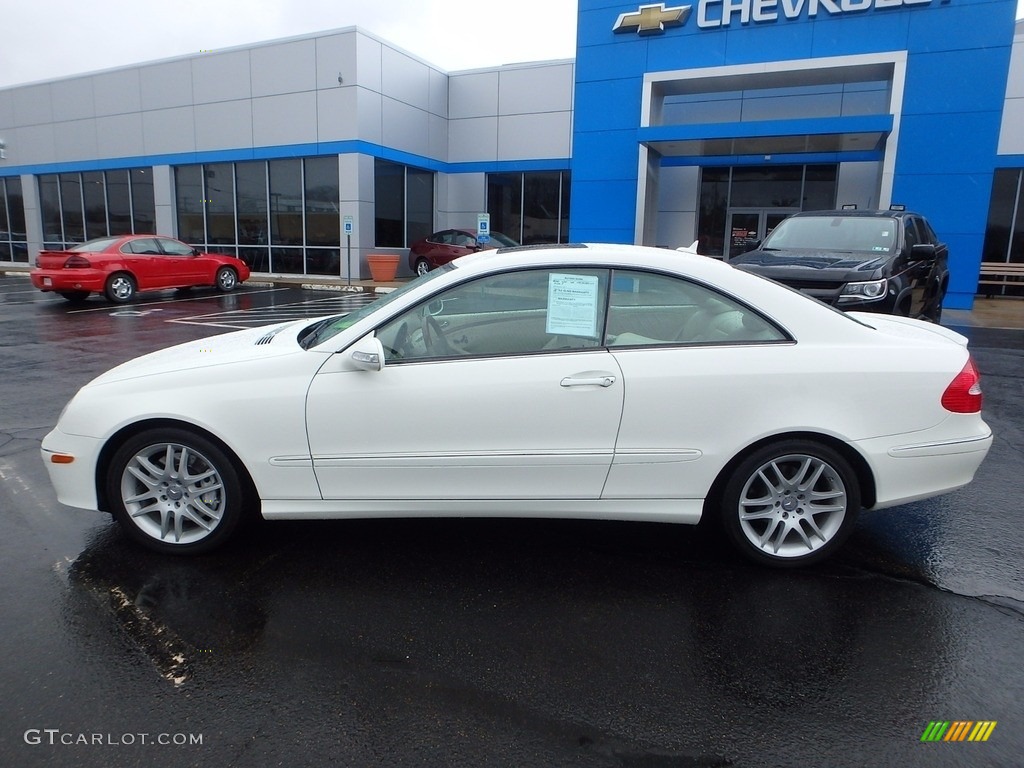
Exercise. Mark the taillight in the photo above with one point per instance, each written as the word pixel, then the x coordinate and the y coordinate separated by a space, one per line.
pixel 963 395
pixel 77 262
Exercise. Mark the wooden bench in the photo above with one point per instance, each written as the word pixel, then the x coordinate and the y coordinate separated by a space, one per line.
pixel 1000 274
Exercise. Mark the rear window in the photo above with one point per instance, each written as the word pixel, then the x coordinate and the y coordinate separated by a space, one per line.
pixel 95 246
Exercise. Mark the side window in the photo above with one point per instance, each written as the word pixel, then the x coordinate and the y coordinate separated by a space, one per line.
pixel 174 248
pixel 910 235
pixel 927 233
pixel 648 309
pixel 144 245
pixel 513 313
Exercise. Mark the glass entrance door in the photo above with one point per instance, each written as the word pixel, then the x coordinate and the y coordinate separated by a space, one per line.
pixel 746 227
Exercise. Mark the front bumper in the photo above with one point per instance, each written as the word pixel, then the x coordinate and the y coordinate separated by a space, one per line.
pixel 74 482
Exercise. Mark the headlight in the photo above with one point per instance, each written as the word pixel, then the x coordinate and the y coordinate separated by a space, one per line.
pixel 872 290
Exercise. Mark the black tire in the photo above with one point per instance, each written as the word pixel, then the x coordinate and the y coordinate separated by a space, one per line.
pixel 75 297
pixel 226 280
pixel 790 503
pixel 175 491
pixel 120 288
pixel 422 266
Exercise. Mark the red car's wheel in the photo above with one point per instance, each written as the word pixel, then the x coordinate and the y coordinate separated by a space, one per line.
pixel 227 279
pixel 120 287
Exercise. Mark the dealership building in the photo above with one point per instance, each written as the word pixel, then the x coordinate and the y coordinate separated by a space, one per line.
pixel 702 120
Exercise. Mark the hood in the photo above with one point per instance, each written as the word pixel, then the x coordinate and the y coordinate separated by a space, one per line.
pixel 813 265
pixel 214 351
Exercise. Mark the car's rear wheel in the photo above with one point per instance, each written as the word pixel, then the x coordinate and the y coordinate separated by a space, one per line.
pixel 790 503
pixel 120 288
pixel 174 491
pixel 75 297
pixel 227 279
pixel 422 266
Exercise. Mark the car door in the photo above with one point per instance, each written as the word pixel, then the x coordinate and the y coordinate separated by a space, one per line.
pixel 142 256
pixel 697 364
pixel 180 265
pixel 494 389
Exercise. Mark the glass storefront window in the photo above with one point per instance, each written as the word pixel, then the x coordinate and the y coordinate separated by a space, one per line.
pixel 251 196
pixel 49 202
pixel 323 261
pixel 143 203
pixel 541 202
pixel 278 215
pixel 71 207
pixel 389 204
pixel 1004 201
pixel 505 203
pixel 95 200
pixel 530 207
pixel 188 198
pixel 119 206
pixel 13 245
pixel 18 249
pixel 419 196
pixel 323 221
pixel 404 204
pixel 286 203
pixel 782 189
pixel 220 203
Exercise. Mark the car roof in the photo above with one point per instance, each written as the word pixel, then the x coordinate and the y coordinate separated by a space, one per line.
pixel 856 213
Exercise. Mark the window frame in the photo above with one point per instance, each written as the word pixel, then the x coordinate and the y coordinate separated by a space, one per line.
pixel 605 301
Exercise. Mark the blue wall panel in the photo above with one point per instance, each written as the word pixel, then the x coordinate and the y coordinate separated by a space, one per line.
pixel 607 106
pixel 947 144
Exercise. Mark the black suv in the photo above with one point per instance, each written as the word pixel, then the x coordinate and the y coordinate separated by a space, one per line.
pixel 869 261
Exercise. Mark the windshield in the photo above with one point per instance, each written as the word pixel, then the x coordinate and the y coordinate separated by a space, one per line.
pixel 335 325
pixel 834 233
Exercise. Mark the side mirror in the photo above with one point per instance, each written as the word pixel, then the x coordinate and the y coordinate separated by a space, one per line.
pixel 922 252
pixel 367 354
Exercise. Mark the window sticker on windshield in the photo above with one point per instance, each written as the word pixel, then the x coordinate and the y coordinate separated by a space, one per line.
pixel 879 248
pixel 572 305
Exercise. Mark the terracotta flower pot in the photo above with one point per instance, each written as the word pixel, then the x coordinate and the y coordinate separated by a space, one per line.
pixel 383 267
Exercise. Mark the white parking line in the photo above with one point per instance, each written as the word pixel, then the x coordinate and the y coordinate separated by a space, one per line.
pixel 134 304
pixel 251 318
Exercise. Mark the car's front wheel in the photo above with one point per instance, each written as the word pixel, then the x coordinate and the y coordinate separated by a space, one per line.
pixel 422 266
pixel 174 491
pixel 120 288
pixel 790 503
pixel 227 279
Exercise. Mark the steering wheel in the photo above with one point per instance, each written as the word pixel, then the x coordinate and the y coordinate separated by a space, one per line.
pixel 432 334
pixel 402 344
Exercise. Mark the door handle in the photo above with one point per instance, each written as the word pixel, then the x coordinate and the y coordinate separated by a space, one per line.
pixel 589 381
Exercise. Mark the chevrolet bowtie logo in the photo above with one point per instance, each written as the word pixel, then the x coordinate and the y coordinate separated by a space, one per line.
pixel 652 19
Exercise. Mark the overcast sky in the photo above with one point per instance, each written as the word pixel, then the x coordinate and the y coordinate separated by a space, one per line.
pixel 45 39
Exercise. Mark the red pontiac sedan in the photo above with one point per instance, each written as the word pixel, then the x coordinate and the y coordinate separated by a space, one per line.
pixel 121 265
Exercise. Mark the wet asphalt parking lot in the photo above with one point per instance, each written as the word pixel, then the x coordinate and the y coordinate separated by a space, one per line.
pixel 485 642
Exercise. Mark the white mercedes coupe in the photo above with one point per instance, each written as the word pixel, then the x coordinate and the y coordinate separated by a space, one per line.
pixel 586 381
